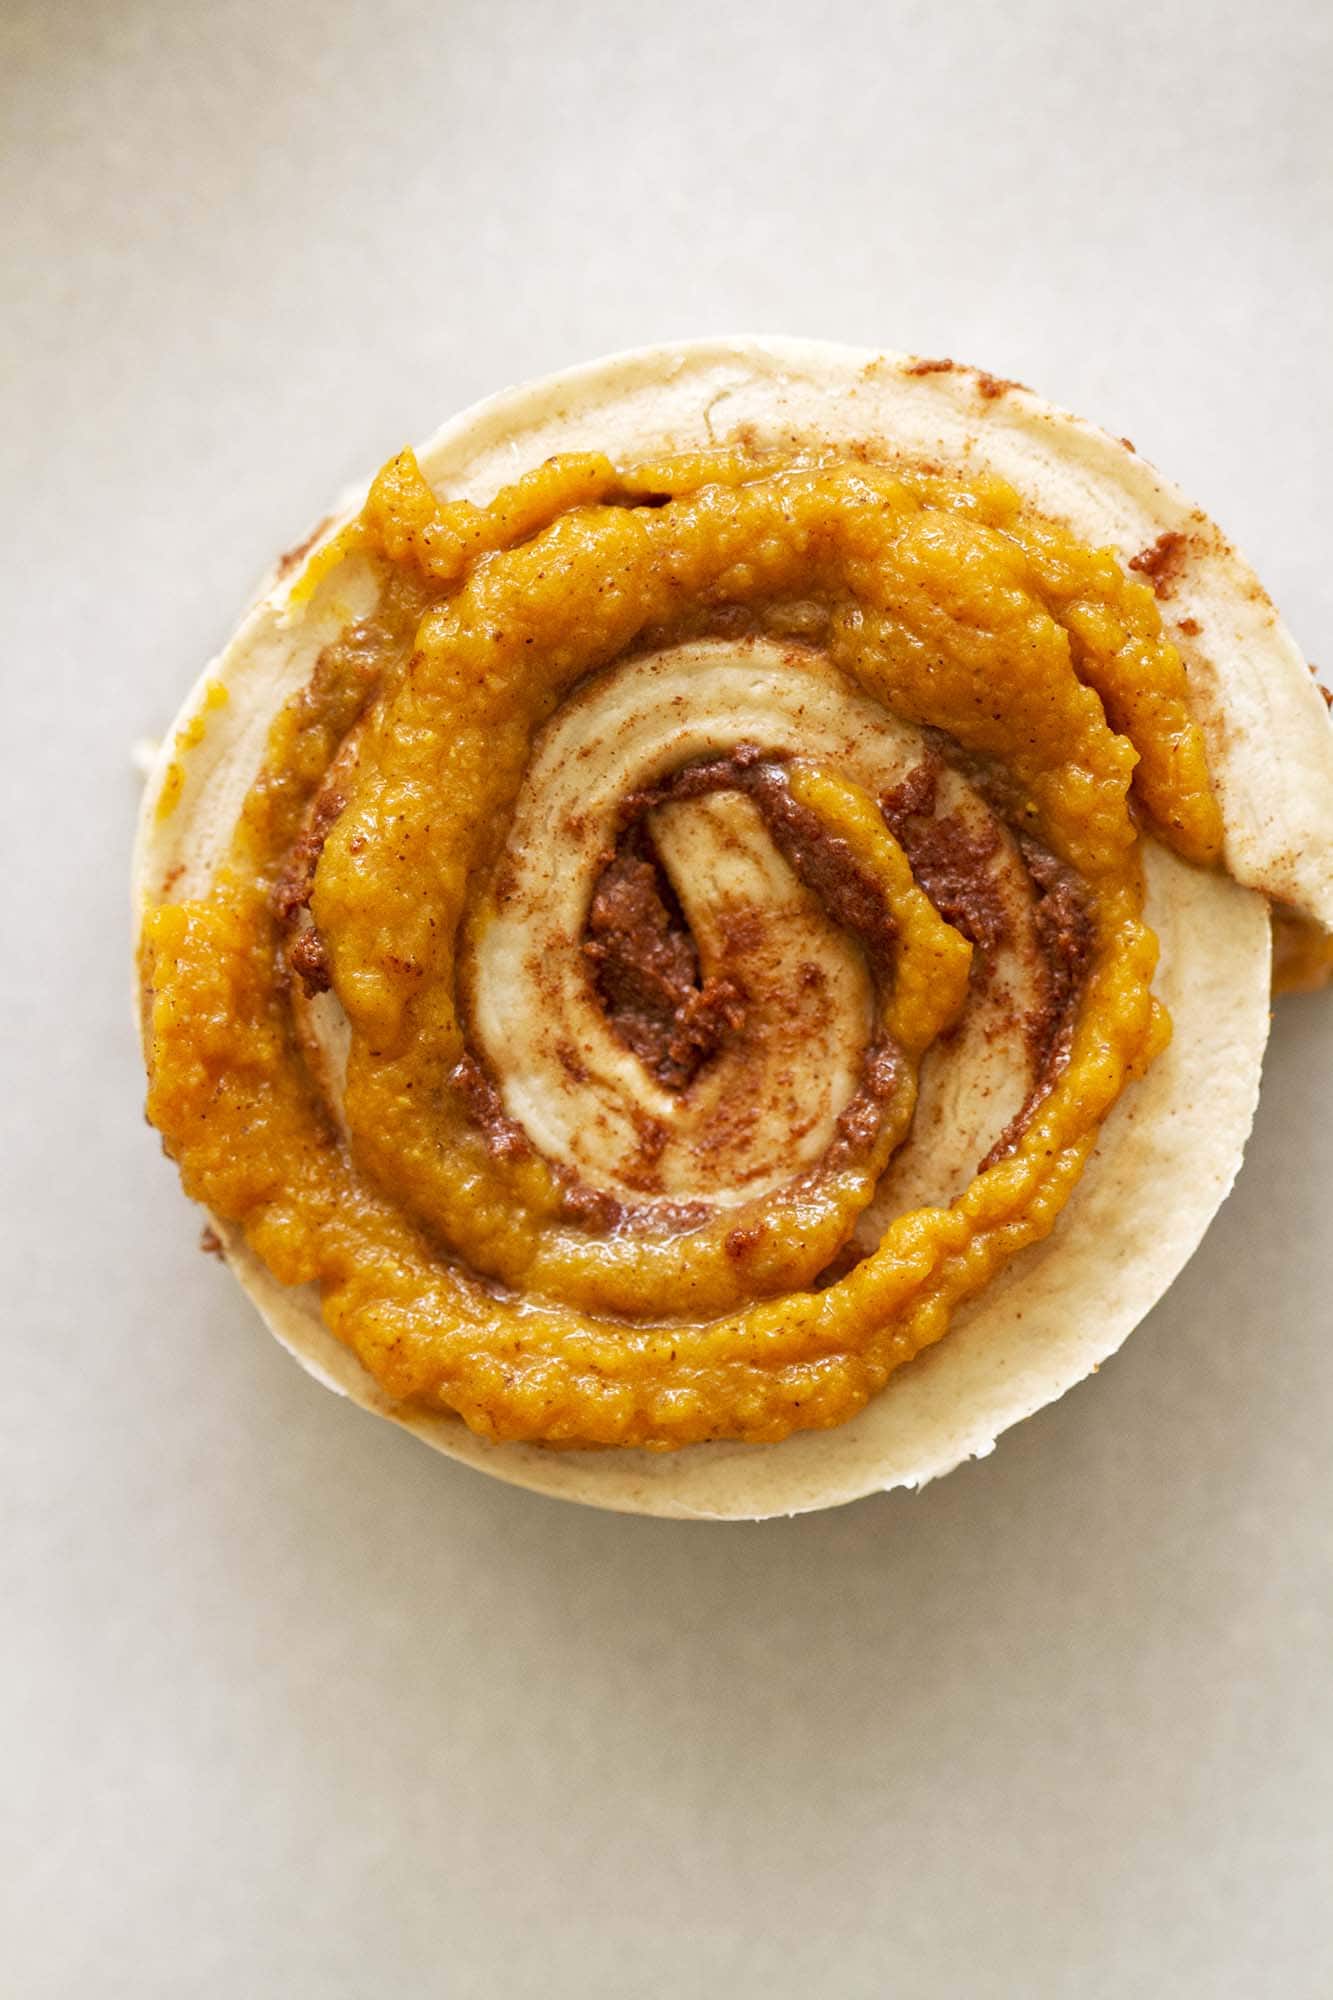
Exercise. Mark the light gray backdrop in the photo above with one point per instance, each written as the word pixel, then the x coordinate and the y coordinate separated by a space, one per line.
pixel 291 1706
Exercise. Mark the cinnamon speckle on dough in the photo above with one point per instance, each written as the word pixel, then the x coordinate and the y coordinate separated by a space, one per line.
pixel 294 557
pixel 991 386
pixel 1160 561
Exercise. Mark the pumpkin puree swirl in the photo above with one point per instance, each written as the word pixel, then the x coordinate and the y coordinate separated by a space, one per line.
pixel 477 1275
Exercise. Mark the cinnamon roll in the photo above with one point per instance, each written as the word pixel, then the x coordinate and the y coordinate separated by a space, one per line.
pixel 706 946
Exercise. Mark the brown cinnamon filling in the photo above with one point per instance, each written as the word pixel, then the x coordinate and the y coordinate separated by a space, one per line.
pixel 968 898
pixel 643 957
pixel 1065 933
pixel 949 861
pixel 505 1137
pixel 646 968
pixel 348 675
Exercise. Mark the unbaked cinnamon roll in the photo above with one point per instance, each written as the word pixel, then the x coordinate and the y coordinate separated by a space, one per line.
pixel 706 946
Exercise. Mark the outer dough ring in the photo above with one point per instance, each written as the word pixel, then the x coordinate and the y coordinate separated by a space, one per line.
pixel 1170 1151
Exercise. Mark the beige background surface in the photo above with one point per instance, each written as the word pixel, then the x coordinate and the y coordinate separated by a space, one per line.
pixel 291 1706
